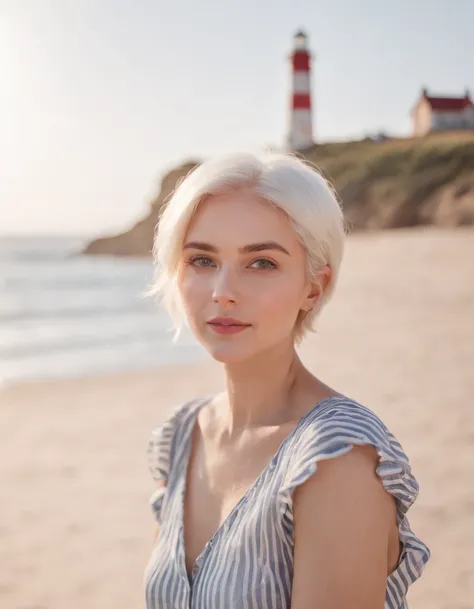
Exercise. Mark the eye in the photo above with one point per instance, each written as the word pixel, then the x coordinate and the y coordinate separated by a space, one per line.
pixel 263 263
pixel 201 261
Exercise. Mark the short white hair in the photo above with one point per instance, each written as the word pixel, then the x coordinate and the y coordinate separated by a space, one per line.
pixel 289 183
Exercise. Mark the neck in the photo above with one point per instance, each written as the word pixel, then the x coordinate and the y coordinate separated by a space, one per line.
pixel 263 391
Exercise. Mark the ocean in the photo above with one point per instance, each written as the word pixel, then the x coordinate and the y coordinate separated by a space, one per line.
pixel 64 315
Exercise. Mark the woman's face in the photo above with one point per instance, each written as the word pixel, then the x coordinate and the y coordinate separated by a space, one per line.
pixel 242 276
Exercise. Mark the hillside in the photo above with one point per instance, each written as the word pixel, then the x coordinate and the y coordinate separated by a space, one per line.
pixel 138 240
pixel 388 184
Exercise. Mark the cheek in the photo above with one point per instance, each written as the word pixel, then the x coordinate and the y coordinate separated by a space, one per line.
pixel 282 299
pixel 192 290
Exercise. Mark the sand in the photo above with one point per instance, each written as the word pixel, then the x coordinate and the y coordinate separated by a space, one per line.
pixel 75 525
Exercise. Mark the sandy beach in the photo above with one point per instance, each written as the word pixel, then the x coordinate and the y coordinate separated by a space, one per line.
pixel 75 524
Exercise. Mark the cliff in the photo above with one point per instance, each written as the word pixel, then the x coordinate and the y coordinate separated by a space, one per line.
pixel 383 184
pixel 138 240
pixel 400 183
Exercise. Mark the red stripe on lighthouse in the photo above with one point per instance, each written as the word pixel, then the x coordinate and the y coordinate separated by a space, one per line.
pixel 301 101
pixel 301 61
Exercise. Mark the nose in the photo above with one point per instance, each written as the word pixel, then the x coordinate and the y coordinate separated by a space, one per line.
pixel 225 288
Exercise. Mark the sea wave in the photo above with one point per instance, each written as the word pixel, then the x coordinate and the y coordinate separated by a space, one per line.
pixel 62 314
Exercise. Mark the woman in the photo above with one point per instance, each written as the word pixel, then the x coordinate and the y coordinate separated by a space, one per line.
pixel 280 492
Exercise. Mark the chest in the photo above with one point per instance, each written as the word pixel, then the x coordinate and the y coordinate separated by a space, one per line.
pixel 217 481
pixel 246 562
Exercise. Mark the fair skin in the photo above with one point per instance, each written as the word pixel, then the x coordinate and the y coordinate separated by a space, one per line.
pixel 345 523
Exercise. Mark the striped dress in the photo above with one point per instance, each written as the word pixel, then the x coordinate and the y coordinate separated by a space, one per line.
pixel 248 563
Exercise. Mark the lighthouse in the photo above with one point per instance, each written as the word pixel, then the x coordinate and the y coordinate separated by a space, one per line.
pixel 300 134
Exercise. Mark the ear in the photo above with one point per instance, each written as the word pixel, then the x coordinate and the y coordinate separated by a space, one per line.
pixel 316 288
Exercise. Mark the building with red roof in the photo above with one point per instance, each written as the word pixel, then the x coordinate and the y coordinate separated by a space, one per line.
pixel 435 113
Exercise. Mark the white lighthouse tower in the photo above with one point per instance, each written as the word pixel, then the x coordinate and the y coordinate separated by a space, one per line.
pixel 300 135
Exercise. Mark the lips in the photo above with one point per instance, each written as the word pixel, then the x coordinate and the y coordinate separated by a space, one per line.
pixel 227 325
pixel 227 321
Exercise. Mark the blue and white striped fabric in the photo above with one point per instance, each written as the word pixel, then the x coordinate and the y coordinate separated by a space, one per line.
pixel 248 563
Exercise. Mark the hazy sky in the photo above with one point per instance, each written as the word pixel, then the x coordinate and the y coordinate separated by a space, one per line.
pixel 99 97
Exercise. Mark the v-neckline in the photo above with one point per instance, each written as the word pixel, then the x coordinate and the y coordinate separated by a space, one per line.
pixel 188 443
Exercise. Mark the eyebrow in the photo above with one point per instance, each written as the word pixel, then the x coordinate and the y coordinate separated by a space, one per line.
pixel 246 249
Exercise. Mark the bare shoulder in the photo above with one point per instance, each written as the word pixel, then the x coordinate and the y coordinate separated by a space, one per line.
pixel 342 522
pixel 351 474
pixel 211 413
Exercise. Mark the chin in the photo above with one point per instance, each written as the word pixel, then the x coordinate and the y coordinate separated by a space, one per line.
pixel 228 356
pixel 225 349
pixel 228 353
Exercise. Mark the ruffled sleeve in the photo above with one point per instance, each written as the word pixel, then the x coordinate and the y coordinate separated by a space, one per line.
pixel 332 432
pixel 160 448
